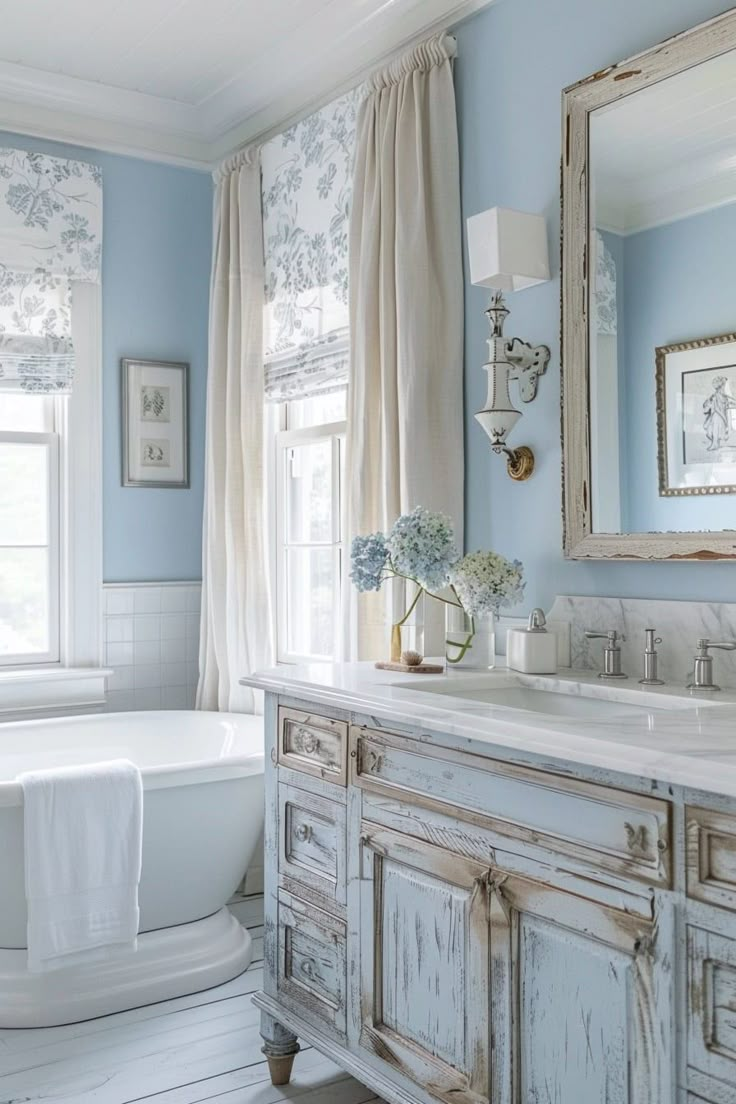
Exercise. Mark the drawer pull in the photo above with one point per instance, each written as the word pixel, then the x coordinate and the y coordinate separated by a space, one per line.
pixel 308 741
pixel 373 762
pixel 308 968
pixel 636 838
pixel 303 832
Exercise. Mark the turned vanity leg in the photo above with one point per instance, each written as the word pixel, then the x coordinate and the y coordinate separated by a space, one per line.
pixel 280 1047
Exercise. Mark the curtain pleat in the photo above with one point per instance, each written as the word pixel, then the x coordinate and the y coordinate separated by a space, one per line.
pixel 235 628
pixel 405 406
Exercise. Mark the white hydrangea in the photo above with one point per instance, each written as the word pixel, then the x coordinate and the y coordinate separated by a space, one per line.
pixel 486 581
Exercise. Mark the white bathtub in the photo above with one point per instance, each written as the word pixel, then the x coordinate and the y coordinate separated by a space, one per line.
pixel 203 814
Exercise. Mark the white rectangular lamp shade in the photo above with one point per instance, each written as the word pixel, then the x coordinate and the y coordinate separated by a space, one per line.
pixel 507 249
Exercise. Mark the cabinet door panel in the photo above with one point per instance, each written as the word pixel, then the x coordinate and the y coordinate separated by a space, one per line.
pixel 424 943
pixel 581 1006
pixel 712 1004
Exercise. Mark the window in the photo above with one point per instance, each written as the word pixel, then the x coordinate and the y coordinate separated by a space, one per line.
pixel 29 529
pixel 310 456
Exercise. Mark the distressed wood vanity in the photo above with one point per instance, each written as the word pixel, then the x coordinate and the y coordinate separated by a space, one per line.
pixel 468 918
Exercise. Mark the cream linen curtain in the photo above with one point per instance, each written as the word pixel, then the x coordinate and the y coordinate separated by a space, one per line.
pixel 405 414
pixel 235 634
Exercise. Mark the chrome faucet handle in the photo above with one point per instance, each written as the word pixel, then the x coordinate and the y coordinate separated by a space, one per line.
pixel 611 653
pixel 703 671
pixel 651 678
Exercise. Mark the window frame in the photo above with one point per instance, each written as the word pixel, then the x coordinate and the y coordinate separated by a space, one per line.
pixel 51 440
pixel 76 679
pixel 284 439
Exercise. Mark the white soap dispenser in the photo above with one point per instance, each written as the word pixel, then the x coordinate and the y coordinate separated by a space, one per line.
pixel 532 650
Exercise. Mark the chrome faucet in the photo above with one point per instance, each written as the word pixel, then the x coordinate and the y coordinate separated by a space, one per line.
pixel 650 659
pixel 611 653
pixel 703 673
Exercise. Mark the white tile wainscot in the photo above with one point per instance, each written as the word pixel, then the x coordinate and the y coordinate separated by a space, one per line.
pixel 151 643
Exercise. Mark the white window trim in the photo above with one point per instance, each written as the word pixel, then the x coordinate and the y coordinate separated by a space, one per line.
pixel 51 443
pixel 284 439
pixel 78 679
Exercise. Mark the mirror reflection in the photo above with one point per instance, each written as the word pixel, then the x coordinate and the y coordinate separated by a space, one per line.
pixel 662 310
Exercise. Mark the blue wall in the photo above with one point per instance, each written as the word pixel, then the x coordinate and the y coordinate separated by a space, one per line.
pixel 514 59
pixel 155 293
pixel 678 285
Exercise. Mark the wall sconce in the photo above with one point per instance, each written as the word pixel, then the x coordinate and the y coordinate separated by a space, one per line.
pixel 508 251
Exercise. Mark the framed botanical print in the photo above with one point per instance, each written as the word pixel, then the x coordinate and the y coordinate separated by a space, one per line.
pixel 696 417
pixel 155 423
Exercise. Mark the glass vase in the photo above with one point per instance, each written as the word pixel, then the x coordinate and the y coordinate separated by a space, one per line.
pixel 407 619
pixel 470 642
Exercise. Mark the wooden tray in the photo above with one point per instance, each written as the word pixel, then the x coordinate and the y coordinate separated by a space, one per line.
pixel 417 669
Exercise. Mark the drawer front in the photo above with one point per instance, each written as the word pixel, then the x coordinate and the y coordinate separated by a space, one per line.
pixel 711 857
pixel 314 745
pixel 712 1004
pixel 627 834
pixel 312 842
pixel 311 966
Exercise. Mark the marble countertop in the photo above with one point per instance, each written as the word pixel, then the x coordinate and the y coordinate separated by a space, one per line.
pixel 672 738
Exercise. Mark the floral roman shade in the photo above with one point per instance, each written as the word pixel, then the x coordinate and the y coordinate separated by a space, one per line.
pixel 50 235
pixel 306 190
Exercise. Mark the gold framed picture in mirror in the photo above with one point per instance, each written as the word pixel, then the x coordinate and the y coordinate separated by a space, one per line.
pixel 696 417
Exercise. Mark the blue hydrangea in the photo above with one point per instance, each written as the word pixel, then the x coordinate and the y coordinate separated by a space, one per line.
pixel 368 558
pixel 421 545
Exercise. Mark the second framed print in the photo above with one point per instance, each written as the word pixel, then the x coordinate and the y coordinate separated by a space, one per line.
pixel 155 423
pixel 696 417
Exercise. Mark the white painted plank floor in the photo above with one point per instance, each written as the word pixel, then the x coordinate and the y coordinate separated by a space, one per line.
pixel 205 1047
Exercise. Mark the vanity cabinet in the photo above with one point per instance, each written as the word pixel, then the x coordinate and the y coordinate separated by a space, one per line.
pixel 451 926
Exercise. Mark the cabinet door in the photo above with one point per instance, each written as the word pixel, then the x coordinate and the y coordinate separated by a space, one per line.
pixel 582 1001
pixel 424 948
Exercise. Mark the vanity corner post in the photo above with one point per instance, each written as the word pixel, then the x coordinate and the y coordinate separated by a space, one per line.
pixel 280 1047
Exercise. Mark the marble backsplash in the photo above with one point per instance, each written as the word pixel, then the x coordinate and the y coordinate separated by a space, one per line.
pixel 680 624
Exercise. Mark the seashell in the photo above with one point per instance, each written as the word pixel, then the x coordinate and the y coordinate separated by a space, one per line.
pixel 411 659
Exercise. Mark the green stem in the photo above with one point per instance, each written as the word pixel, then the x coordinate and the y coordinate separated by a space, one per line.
pixel 410 610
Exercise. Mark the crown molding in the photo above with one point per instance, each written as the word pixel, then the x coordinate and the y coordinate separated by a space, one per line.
pixel 98 116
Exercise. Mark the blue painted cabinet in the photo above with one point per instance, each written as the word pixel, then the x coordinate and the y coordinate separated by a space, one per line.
pixel 451 926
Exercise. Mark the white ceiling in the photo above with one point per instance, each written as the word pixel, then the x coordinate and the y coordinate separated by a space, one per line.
pixel 667 151
pixel 191 80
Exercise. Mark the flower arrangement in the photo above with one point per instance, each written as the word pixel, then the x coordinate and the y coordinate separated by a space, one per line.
pixel 420 547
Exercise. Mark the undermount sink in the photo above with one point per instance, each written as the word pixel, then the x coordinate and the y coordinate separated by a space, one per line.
pixel 557 697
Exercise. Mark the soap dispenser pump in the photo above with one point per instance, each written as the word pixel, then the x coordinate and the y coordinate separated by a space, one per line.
pixel 532 650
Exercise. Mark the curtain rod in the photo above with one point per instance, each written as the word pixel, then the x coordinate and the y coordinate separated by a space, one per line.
pixel 357 77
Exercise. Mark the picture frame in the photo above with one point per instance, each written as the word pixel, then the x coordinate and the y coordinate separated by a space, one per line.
pixel 696 416
pixel 155 423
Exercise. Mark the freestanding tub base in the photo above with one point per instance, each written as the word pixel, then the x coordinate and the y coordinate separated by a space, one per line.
pixel 167 963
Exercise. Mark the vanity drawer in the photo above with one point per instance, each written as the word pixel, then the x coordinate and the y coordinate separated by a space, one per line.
pixel 624 833
pixel 711 857
pixel 711 1021
pixel 312 841
pixel 313 744
pixel 311 962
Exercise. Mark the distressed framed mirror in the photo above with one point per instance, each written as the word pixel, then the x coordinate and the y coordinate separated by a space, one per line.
pixel 649 303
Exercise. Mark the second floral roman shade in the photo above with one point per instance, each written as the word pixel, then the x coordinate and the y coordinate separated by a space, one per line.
pixel 50 236
pixel 306 190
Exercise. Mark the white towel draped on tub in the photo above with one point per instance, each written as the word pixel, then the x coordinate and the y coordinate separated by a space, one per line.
pixel 83 832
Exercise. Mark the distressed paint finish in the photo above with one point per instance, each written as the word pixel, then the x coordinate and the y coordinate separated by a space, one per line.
pixel 578 999
pixel 551 920
pixel 424 943
pixel 711 857
pixel 312 841
pixel 314 744
pixel 671 57
pixel 613 829
pixel 712 1004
